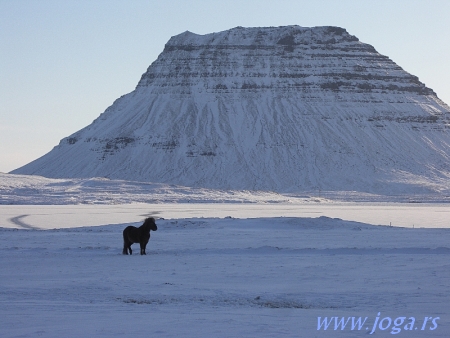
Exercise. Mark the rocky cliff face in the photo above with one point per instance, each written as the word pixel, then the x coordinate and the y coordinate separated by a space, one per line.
pixel 277 59
pixel 283 109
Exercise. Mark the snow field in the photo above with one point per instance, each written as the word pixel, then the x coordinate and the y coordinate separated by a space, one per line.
pixel 221 277
pixel 409 215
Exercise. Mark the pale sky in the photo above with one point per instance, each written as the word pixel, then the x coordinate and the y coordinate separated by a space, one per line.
pixel 63 62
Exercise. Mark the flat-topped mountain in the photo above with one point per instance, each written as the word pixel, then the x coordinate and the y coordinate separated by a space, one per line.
pixel 277 108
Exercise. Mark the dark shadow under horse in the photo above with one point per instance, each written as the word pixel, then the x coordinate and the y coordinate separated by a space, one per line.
pixel 139 235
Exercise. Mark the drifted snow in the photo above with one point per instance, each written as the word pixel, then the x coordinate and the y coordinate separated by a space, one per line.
pixel 283 109
pixel 30 189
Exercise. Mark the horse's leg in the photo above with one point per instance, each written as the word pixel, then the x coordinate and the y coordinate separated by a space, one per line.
pixel 126 247
pixel 143 245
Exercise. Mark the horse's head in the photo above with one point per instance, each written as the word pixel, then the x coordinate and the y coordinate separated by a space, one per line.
pixel 150 223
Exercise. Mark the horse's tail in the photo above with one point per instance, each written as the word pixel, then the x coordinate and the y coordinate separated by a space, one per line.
pixel 125 242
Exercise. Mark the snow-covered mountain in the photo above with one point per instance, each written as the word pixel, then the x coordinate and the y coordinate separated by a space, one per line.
pixel 282 109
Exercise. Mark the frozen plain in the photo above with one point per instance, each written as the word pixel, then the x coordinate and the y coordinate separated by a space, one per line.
pixel 254 273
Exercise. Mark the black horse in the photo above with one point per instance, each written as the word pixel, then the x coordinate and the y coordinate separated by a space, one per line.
pixel 139 235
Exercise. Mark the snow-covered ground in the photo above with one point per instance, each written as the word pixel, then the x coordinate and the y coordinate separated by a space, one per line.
pixel 29 190
pixel 225 277
pixel 70 216
pixel 244 264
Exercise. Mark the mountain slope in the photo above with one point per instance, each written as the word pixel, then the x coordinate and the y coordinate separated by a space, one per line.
pixel 282 109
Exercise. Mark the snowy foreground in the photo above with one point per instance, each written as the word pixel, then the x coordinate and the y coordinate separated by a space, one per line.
pixel 225 277
pixel 260 265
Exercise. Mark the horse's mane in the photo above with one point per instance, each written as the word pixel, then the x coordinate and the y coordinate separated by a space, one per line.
pixel 149 224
